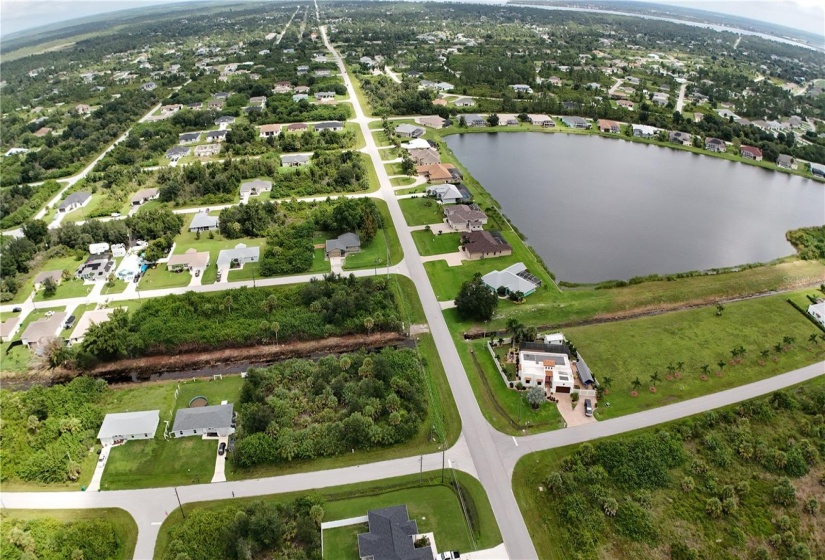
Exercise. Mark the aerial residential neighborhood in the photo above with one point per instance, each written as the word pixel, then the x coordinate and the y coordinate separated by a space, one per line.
pixel 395 280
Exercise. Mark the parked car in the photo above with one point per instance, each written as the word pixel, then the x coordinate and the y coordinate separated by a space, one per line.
pixel 18 310
pixel 197 273
pixel 69 322
pixel 588 407
pixel 222 448
pixel 449 555
pixel 116 214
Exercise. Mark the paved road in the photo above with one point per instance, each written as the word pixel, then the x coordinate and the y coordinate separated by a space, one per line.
pixel 680 102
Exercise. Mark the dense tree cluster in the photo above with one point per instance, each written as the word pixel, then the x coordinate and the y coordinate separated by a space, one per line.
pixel 50 539
pixel 289 250
pixel 719 468
pixel 209 184
pixel 47 431
pixel 475 300
pixel 328 172
pixel 242 317
pixel 19 203
pixel 257 530
pixel 808 242
pixel 302 409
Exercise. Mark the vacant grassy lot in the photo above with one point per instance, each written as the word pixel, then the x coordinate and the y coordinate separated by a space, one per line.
pixel 429 244
pixel 124 526
pixel 157 277
pixel 711 461
pixel 434 506
pixel 421 211
pixel 67 289
pixel 375 252
pixel 155 463
pixel 62 263
pixel 688 340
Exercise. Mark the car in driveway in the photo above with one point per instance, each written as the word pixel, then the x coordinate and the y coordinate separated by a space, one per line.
pixel 449 555
pixel 17 310
pixel 588 407
pixel 222 448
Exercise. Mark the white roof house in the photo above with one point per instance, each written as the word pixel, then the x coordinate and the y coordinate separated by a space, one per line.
pixel 202 221
pixel 538 368
pixel 817 311
pixel 241 253
pixel 446 193
pixel 129 425
pixel 514 278
pixel 86 320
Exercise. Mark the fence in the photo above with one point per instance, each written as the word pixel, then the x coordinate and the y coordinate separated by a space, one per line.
pixel 340 523
pixel 498 365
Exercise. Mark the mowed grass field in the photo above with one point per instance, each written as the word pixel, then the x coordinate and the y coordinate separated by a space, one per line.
pixel 429 244
pixel 625 350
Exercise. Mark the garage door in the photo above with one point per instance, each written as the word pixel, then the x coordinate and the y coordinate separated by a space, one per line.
pixel 562 389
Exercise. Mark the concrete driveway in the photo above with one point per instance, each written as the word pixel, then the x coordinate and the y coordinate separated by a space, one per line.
pixel 574 416
pixel 94 485
pixel 453 259
pixel 220 462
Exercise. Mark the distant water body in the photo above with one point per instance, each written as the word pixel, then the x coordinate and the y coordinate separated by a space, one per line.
pixel 715 27
pixel 600 208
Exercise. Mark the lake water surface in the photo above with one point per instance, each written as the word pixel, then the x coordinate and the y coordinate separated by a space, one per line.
pixel 599 208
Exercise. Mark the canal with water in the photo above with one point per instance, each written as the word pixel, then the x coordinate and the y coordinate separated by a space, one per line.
pixel 601 208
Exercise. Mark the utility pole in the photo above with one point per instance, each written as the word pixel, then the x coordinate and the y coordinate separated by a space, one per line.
pixel 179 504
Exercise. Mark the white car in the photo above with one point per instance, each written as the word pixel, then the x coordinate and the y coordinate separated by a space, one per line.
pixel 449 555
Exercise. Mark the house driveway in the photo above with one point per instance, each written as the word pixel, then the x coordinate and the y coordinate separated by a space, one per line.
pixel 435 228
pixel 453 259
pixel 196 280
pixel 337 264
pixel 220 462
pixel 94 485
pixel 574 416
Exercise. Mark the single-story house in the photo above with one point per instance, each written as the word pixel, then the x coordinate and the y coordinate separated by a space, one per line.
pixel 40 332
pixel 82 109
pixel 216 135
pixel 299 97
pixel 176 152
pixel 786 162
pixel 483 244
pixel 207 150
pixel 191 260
pixel 345 244
pixel 425 156
pixel 209 421
pixel 93 317
pixel 465 217
pixel 660 98
pixel 74 201
pixel 472 119
pixel 323 73
pixel 202 221
pixel 538 365
pixel 237 257
pixel 96 267
pixel 258 100
pixel 334 126
pixel 194 106
pixel 118 250
pixel 16 151
pixel 392 536
pixel 169 109
pixel 436 173
pixel 124 426
pixel 751 152
pixel 817 170
pixel 514 278
pixel 433 121
pixel 625 104
pixel 465 102
pixel 189 137
pixel 521 88
pixel 215 105
pixel 297 127
pixel 43 131
pixel 256 186
pixel 575 122
pixel 221 95
pixel 149 86
pixel 324 95
pixel 269 130
pixel 817 311
pixel 447 193
pixel 416 144
pixel 541 120
pixel 144 195
pixel 302 89
pixel 643 131
pixel 679 137
pixel 55 275
pixel 715 145
pixel 98 248
pixel 225 120
pixel 9 328
pixel 294 160
pixel 409 131
pixel 303 69
pixel 606 125
pixel 508 119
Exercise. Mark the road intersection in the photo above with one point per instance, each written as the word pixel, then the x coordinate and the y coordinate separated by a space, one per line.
pixel 481 451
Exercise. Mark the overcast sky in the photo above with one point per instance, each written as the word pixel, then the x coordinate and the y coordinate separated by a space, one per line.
pixel 17 15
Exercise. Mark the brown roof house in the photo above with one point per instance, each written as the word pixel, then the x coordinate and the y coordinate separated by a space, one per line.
pixel 144 195
pixel 483 244
pixel 269 130
pixel 465 217
pixel 191 260
pixel 609 126
pixel 425 156
pixel 38 334
pixel 751 152
pixel 9 328
pixel 436 173
pixel 55 275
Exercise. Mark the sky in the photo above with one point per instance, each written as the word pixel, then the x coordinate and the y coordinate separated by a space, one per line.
pixel 17 15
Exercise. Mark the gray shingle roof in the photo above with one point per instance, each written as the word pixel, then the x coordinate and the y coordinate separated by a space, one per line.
pixel 204 417
pixel 391 536
pixel 75 198
pixel 344 241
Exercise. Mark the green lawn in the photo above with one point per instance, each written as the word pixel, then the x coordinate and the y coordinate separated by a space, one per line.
pixel 625 350
pixel 67 289
pixel 388 154
pixel 381 139
pixel 374 253
pixel 341 543
pixel 124 525
pixel 158 462
pixel 434 505
pixel 421 211
pixel 373 176
pixel 394 169
pixel 411 309
pixel 402 181
pixel 428 243
pixel 118 288
pixel 360 142
pixel 158 277
pixel 249 271
pixel 61 263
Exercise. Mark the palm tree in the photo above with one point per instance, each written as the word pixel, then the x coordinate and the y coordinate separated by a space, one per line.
pixel 813 339
pixel 654 378
pixel 777 347
pixel 606 381
pixel 680 366
pixel 706 369
pixel 764 354
pixel 636 384
pixel 671 369
pixel 788 340
pixel 368 324
pixel 719 309
pixel 721 364
pixel 227 303
pixel 734 353
pixel 275 327
pixel 514 327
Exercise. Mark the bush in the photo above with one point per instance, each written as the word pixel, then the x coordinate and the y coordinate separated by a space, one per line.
pixel 713 507
pixel 784 493
pixel 634 522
